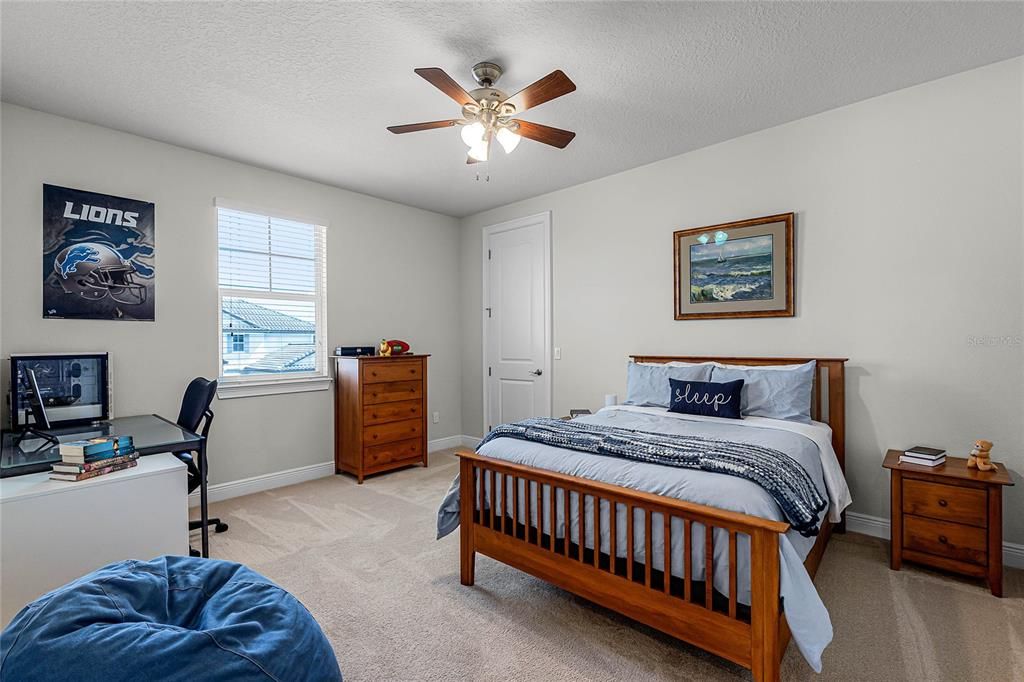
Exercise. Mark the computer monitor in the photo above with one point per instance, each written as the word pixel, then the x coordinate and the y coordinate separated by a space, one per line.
pixel 74 388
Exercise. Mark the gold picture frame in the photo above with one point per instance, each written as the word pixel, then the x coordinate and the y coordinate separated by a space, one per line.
pixel 733 270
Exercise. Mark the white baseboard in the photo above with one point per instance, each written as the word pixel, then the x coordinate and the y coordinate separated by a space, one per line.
pixel 278 479
pixel 256 484
pixel 451 442
pixel 875 526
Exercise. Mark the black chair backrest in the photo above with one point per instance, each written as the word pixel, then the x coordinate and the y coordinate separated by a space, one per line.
pixel 196 403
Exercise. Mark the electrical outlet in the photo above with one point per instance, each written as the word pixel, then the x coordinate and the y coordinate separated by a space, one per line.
pixel 436 417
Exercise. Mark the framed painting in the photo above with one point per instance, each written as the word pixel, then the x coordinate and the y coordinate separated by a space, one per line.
pixel 98 256
pixel 739 269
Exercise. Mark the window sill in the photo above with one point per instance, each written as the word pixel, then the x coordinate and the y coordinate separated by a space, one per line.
pixel 228 389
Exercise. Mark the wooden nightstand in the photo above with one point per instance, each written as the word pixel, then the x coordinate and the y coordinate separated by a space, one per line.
pixel 948 517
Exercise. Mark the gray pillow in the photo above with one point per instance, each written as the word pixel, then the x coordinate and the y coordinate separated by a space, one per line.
pixel 647 385
pixel 775 393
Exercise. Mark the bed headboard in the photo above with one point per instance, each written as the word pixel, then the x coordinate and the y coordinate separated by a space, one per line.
pixel 828 405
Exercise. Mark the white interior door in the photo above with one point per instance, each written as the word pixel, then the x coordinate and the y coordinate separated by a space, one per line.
pixel 517 320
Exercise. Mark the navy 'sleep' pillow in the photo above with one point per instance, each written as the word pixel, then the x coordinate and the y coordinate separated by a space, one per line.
pixel 706 398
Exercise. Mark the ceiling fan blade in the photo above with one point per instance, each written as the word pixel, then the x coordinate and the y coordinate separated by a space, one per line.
pixel 430 125
pixel 553 85
pixel 556 137
pixel 443 82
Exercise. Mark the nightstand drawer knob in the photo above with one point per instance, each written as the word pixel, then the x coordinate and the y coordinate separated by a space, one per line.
pixel 943 503
pixel 943 539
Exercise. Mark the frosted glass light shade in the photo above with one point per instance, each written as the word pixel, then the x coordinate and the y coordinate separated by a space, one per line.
pixel 473 133
pixel 479 150
pixel 508 140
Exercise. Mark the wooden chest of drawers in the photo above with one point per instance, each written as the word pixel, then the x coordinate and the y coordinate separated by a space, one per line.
pixel 948 517
pixel 380 419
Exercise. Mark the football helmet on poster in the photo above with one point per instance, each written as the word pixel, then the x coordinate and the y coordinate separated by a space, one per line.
pixel 94 271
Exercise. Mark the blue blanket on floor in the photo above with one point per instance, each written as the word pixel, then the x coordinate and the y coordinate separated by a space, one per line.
pixel 776 472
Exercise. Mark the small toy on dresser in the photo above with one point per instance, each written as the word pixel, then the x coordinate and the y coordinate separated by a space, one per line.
pixel 980 456
pixel 385 349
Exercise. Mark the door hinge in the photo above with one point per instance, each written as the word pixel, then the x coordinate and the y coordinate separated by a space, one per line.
pixel 490 427
pixel 488 371
pixel 488 254
pixel 488 311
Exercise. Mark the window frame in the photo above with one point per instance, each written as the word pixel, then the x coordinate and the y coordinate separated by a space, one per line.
pixel 240 386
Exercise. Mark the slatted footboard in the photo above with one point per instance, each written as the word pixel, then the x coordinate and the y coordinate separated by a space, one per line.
pixel 512 513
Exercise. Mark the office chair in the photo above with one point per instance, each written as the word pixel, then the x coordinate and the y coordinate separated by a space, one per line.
pixel 195 410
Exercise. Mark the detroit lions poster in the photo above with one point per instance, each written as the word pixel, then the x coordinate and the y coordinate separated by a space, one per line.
pixel 98 253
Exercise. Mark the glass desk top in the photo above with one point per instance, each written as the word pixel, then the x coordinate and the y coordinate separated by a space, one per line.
pixel 151 434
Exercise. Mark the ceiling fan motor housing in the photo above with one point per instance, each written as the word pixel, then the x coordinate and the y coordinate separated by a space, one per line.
pixel 486 74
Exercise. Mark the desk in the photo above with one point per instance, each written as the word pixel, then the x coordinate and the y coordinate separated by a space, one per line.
pixel 151 433
pixel 52 532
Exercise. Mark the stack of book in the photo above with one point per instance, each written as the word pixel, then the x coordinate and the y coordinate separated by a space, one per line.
pixel 83 459
pixel 922 456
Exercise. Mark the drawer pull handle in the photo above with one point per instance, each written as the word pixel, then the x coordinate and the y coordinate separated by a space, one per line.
pixel 943 503
pixel 943 539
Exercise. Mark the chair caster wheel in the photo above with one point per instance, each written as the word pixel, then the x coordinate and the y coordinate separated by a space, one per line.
pixel 220 528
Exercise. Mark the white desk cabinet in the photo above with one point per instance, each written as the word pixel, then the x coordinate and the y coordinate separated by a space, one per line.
pixel 52 532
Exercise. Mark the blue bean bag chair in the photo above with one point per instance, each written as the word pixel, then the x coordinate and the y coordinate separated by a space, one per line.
pixel 172 618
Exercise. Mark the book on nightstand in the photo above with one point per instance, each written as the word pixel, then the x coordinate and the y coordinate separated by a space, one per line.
pixel 923 456
pixel 923 462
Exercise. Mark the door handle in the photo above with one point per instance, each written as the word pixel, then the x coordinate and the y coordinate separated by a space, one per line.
pixel 537 372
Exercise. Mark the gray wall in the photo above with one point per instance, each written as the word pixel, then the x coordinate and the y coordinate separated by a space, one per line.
pixel 392 271
pixel 909 246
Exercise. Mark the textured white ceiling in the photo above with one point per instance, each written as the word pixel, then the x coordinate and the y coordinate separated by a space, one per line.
pixel 308 88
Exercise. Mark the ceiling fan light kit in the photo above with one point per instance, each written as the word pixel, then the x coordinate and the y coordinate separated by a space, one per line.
pixel 487 112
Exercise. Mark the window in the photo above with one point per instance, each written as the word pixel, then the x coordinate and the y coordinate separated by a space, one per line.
pixel 272 285
pixel 237 343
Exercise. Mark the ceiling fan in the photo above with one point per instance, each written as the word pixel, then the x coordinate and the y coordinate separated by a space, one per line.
pixel 487 112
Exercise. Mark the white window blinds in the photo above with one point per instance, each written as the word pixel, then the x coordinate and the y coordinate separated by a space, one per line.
pixel 272 284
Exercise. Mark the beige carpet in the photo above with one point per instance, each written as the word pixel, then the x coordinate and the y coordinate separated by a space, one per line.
pixel 364 560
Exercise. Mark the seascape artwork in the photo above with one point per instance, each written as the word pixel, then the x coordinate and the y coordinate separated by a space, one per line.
pixel 726 269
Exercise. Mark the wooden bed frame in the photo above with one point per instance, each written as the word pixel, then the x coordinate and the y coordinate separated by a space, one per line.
pixel 755 637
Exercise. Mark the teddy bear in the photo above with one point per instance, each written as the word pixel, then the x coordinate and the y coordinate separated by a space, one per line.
pixel 979 457
pixel 385 349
